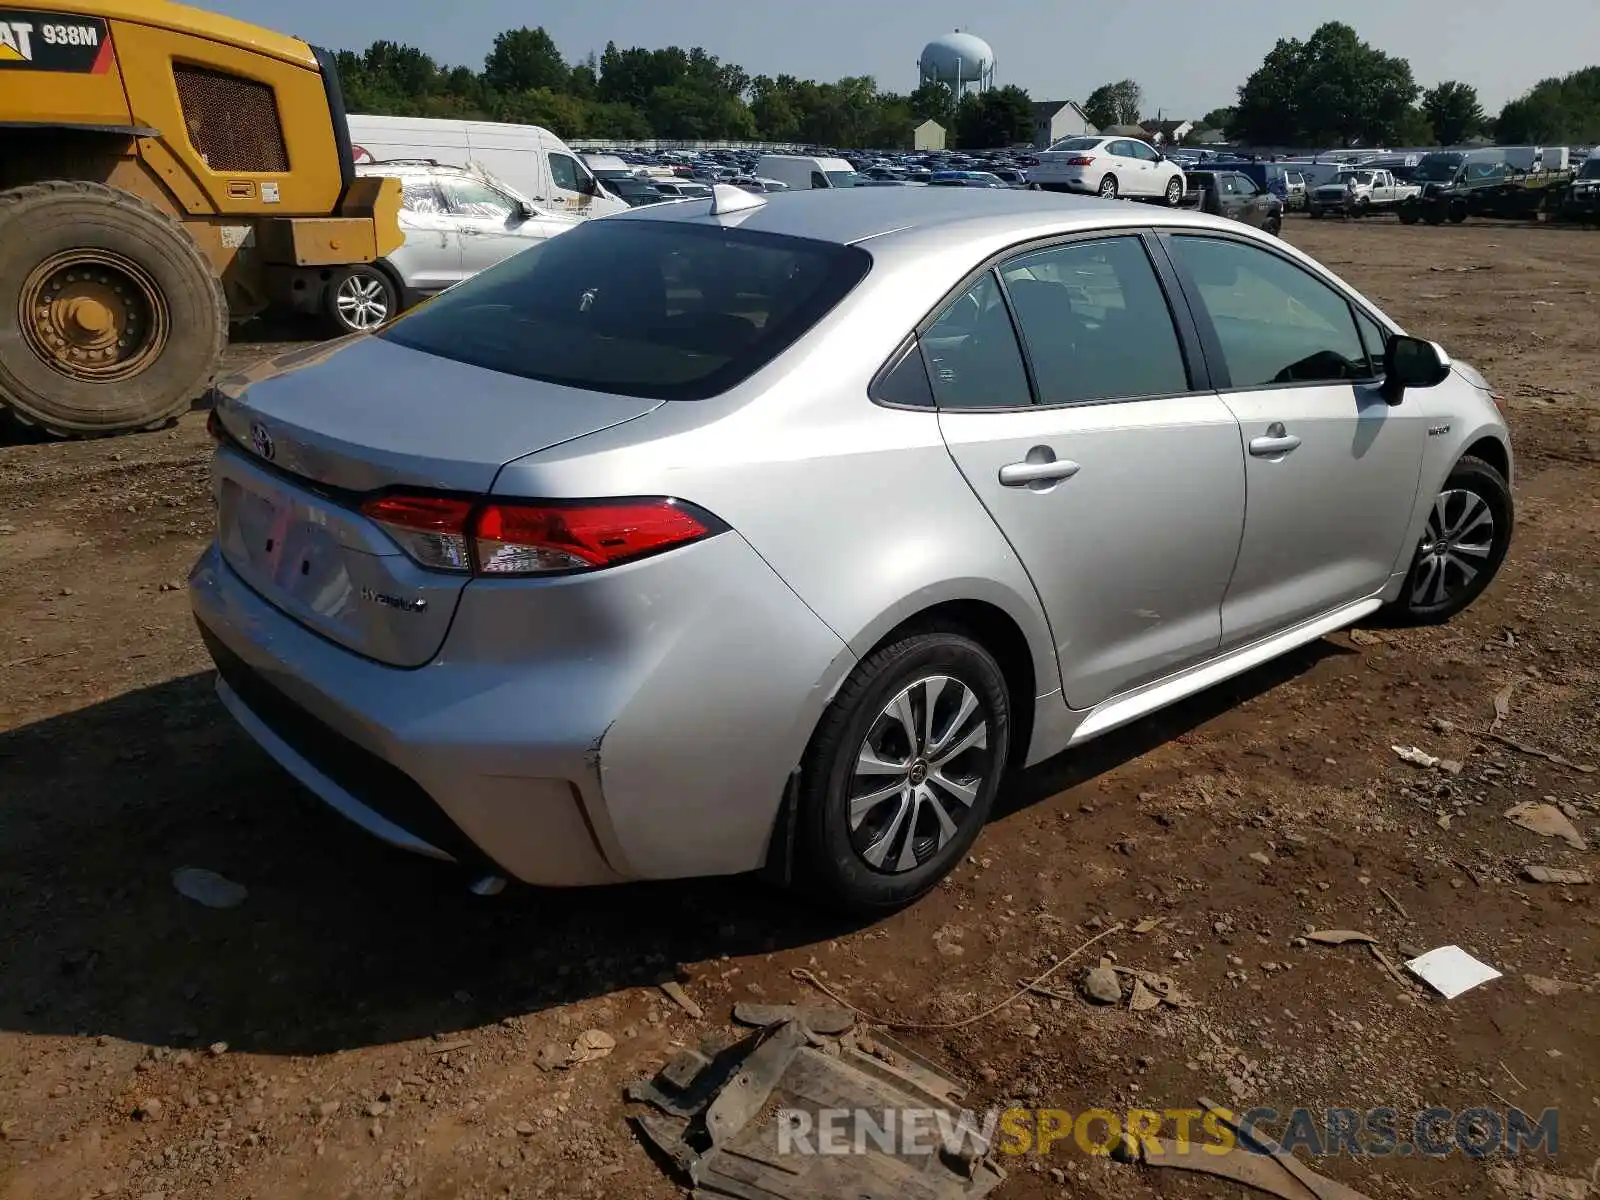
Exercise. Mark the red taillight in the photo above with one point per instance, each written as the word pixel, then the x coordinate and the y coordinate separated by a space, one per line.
pixel 530 539
pixel 431 529
pixel 448 533
pixel 1081 160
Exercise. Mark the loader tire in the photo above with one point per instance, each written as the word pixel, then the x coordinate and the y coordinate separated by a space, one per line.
pixel 111 318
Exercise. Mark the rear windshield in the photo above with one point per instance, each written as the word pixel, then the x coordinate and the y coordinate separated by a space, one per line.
pixel 1076 143
pixel 665 310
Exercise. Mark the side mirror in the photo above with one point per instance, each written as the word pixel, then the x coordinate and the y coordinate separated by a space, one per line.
pixel 526 211
pixel 587 185
pixel 1410 362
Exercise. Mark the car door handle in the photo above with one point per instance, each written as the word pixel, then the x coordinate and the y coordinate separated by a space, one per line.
pixel 1276 441
pixel 1023 473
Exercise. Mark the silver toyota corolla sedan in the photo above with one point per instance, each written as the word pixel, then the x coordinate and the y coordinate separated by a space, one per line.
pixel 772 531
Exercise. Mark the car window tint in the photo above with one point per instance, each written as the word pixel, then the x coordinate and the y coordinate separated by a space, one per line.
pixel 1277 323
pixel 818 180
pixel 906 381
pixel 1376 340
pixel 469 198
pixel 1244 185
pixel 658 309
pixel 564 171
pixel 421 196
pixel 972 353
pixel 1095 322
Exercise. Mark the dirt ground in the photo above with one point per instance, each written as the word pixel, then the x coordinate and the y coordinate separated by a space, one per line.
pixel 383 1028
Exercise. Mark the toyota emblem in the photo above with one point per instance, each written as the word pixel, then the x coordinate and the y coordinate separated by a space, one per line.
pixel 261 440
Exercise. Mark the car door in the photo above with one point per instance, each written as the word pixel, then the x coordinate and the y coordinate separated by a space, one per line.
pixel 1065 394
pixel 430 259
pixel 488 220
pixel 1252 202
pixel 1152 179
pixel 1133 172
pixel 572 188
pixel 1332 468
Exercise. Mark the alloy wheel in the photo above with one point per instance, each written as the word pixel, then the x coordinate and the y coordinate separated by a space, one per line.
pixel 1455 546
pixel 919 770
pixel 363 302
pixel 1108 188
pixel 1174 193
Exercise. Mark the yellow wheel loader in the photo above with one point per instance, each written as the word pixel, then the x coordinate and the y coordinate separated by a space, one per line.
pixel 163 171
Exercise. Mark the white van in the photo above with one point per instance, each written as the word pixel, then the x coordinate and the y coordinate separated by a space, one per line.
pixel 531 159
pixel 801 171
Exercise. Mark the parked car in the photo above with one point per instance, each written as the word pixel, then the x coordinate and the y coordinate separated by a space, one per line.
pixel 1360 192
pixel 1236 196
pixel 1081 459
pixel 456 223
pixel 973 179
pixel 1108 167
pixel 802 171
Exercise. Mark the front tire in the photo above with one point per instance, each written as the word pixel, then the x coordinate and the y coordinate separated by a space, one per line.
pixel 1465 541
pixel 359 299
pixel 1108 188
pixel 114 319
pixel 1314 212
pixel 902 771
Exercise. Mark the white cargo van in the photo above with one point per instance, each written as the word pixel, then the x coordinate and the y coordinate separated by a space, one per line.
pixel 531 159
pixel 801 171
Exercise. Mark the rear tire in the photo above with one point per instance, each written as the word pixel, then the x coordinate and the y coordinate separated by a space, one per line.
pixel 878 856
pixel 116 317
pixel 1409 215
pixel 1174 192
pixel 359 299
pixel 1469 530
pixel 1108 188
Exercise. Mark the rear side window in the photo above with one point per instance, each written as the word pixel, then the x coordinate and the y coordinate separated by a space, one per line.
pixel 1095 322
pixel 972 353
pixel 660 309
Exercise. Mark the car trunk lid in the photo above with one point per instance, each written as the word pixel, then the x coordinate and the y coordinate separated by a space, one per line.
pixel 313 434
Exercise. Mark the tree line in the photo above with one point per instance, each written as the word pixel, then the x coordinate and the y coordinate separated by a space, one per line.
pixel 1331 88
pixel 669 93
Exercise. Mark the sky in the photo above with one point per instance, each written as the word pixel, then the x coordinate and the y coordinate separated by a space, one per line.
pixel 1189 58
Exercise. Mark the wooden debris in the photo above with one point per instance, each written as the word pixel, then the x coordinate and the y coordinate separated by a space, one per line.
pixel 1564 875
pixel 1395 904
pixel 678 996
pixel 1339 937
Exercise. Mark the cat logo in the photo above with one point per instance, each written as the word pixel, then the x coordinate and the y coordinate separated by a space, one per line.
pixel 43 41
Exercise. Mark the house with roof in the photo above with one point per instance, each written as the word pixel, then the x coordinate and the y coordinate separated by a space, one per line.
pixel 1057 119
pixel 1166 133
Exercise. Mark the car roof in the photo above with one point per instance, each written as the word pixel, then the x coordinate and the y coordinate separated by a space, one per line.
pixel 849 215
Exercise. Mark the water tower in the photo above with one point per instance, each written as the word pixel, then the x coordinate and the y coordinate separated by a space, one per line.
pixel 959 61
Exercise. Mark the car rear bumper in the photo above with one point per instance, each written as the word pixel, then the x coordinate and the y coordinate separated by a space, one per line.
pixel 665 757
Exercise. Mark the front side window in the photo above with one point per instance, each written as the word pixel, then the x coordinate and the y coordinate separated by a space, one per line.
pixel 564 171
pixel 1277 324
pixel 469 198
pixel 1244 185
pixel 665 310
pixel 1376 340
pixel 972 354
pixel 1095 322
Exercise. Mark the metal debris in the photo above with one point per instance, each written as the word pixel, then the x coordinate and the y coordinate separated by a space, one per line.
pixel 736 1121
pixel 1256 1161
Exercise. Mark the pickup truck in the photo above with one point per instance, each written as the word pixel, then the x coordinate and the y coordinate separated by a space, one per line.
pixel 1376 190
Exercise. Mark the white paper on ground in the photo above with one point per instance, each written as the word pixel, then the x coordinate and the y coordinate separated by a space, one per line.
pixel 1450 970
